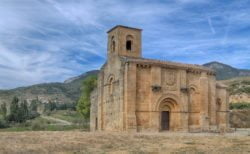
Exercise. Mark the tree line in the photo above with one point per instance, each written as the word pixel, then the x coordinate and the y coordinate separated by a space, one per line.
pixel 19 111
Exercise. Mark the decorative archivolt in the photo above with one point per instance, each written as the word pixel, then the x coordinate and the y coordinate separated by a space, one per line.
pixel 129 37
pixel 168 103
pixel 169 100
pixel 193 88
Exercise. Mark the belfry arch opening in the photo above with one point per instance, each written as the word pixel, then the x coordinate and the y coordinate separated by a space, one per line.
pixel 129 43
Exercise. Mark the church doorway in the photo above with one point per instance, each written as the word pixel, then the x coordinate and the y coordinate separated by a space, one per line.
pixel 169 118
pixel 165 120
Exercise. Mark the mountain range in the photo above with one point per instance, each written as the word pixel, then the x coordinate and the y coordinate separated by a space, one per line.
pixel 69 90
pixel 224 72
pixel 62 92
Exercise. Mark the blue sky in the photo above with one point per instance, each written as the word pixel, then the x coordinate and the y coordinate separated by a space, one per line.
pixel 52 40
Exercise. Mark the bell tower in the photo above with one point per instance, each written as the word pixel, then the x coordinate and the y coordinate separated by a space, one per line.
pixel 124 41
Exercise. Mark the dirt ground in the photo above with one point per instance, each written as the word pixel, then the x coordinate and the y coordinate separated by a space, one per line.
pixel 86 142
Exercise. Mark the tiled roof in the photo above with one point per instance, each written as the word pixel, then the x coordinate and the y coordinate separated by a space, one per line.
pixel 123 27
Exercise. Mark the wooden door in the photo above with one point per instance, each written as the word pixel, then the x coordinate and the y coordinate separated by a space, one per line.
pixel 165 120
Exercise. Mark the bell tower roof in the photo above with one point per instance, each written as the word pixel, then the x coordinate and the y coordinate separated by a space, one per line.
pixel 117 26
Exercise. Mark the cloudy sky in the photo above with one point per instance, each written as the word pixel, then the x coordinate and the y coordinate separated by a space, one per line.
pixel 52 40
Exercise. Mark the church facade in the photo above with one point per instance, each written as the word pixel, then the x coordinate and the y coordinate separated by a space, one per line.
pixel 138 94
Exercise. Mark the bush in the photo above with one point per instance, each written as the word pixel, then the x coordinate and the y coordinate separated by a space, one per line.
pixel 51 106
pixel 241 105
pixel 3 124
pixel 66 106
pixel 26 124
pixel 4 110
pixel 33 115
pixel 38 125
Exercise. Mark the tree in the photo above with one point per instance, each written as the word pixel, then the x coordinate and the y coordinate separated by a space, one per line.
pixel 33 109
pixel 4 110
pixel 19 112
pixel 52 106
pixel 14 108
pixel 34 105
pixel 83 105
pixel 24 111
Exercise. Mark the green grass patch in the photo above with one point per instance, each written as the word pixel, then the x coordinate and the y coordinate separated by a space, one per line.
pixel 15 129
pixel 239 106
pixel 68 115
pixel 42 124
pixel 43 128
pixel 238 87
pixel 63 128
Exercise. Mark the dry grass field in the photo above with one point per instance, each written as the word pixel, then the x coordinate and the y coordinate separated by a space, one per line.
pixel 86 142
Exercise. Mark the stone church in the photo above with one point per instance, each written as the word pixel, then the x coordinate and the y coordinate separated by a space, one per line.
pixel 138 94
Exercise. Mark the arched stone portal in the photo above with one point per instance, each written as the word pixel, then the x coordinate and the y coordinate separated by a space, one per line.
pixel 169 118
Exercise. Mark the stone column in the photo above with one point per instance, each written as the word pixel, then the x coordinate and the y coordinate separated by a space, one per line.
pixel 223 114
pixel 184 101
pixel 154 115
pixel 204 119
pixel 121 101
pixel 130 96
pixel 100 86
pixel 212 106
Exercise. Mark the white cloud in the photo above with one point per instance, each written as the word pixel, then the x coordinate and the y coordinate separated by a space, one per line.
pixel 50 40
pixel 211 25
pixel 193 1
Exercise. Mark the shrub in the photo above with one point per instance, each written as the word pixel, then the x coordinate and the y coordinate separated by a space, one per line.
pixel 3 124
pixel 51 106
pixel 26 124
pixel 38 125
pixel 240 105
pixel 33 105
pixel 4 110
pixel 33 115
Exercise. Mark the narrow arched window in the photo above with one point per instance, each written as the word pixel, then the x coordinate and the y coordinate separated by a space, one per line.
pixel 129 43
pixel 112 46
pixel 111 85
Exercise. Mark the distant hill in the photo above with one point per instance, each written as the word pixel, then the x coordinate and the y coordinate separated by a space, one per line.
pixel 237 80
pixel 66 92
pixel 69 90
pixel 239 89
pixel 224 72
